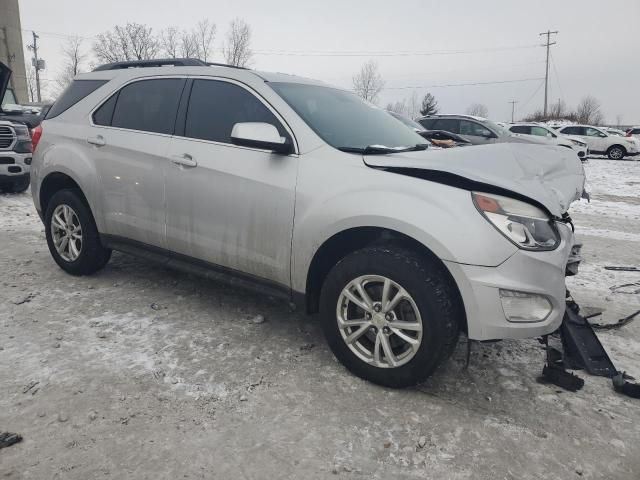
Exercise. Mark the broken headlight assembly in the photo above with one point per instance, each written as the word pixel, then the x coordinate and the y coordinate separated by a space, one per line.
pixel 525 225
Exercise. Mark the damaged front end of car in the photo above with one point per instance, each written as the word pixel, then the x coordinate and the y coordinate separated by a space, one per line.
pixel 525 192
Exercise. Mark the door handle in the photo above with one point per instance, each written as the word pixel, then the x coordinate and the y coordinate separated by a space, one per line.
pixel 98 141
pixel 184 160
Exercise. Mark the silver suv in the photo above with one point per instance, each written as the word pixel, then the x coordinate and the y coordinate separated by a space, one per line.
pixel 311 193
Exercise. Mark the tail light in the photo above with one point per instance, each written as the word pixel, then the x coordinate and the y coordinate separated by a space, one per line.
pixel 36 134
pixel 629 134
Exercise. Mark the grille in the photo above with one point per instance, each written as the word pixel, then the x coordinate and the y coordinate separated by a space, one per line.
pixel 7 137
pixel 7 161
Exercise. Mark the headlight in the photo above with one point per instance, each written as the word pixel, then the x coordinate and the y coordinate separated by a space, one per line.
pixel 526 226
pixel 580 144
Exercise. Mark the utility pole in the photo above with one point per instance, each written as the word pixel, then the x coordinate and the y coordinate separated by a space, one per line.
pixel 548 33
pixel 36 63
pixel 513 108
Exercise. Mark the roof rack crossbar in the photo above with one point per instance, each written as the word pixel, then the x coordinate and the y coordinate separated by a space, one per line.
pixel 175 62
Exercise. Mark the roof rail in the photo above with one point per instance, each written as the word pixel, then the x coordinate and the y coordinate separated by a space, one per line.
pixel 214 64
pixel 176 62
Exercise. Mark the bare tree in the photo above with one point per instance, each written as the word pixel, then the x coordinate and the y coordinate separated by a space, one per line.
pixel 397 107
pixel 204 34
pixel 588 111
pixel 413 106
pixel 31 83
pixel 368 83
pixel 132 41
pixel 558 110
pixel 188 45
pixel 170 42
pixel 74 59
pixel 237 46
pixel 429 105
pixel 478 110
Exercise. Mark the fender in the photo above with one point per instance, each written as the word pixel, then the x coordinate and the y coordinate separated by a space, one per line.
pixel 439 223
pixel 66 158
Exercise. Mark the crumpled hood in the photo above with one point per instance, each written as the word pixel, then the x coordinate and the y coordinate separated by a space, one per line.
pixel 550 176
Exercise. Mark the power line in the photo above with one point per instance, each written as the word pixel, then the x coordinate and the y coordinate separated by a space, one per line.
pixel 548 33
pixel 497 82
pixel 553 62
pixel 533 95
pixel 399 53
pixel 338 53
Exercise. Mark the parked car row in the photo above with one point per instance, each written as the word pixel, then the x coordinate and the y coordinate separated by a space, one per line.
pixel 583 139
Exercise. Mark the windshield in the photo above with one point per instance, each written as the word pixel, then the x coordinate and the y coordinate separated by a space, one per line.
pixel 345 121
pixel 407 121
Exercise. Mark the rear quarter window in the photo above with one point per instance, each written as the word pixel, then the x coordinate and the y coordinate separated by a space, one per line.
pixel 76 91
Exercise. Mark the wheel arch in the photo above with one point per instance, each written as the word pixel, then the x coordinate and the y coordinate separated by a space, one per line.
pixel 338 246
pixel 622 147
pixel 54 182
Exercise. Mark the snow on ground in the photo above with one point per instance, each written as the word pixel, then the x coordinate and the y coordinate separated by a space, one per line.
pixel 143 372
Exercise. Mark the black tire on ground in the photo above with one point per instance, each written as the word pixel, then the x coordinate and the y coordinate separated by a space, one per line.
pixel 616 152
pixel 19 186
pixel 433 293
pixel 93 256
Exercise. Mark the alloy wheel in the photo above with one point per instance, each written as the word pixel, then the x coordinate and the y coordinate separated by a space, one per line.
pixel 66 233
pixel 379 321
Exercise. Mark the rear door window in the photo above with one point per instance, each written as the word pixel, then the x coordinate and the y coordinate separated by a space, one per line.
pixel 521 129
pixel 216 106
pixel 447 124
pixel 148 105
pixel 76 91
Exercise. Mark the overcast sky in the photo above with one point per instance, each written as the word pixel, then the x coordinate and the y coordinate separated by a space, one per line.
pixel 596 52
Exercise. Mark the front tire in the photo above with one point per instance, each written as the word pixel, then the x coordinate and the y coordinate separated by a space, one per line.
pixel 389 315
pixel 72 235
pixel 616 152
pixel 19 186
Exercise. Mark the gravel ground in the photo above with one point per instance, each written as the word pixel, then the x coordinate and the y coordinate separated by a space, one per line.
pixel 141 372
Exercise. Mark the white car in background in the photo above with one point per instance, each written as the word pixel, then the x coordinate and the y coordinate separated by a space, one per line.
pixel 633 132
pixel 614 131
pixel 601 143
pixel 554 138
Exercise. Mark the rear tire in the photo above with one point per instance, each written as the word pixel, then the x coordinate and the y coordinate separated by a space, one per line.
pixel 70 225
pixel 430 301
pixel 616 152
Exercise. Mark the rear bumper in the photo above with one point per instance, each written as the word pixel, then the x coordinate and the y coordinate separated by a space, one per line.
pixel 540 273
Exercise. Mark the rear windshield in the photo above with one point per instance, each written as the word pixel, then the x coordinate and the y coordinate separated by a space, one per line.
pixel 73 94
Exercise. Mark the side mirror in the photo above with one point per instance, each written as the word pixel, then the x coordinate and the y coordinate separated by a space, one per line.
pixel 489 134
pixel 260 135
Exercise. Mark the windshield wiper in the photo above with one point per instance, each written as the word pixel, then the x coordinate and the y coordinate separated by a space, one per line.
pixel 383 150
